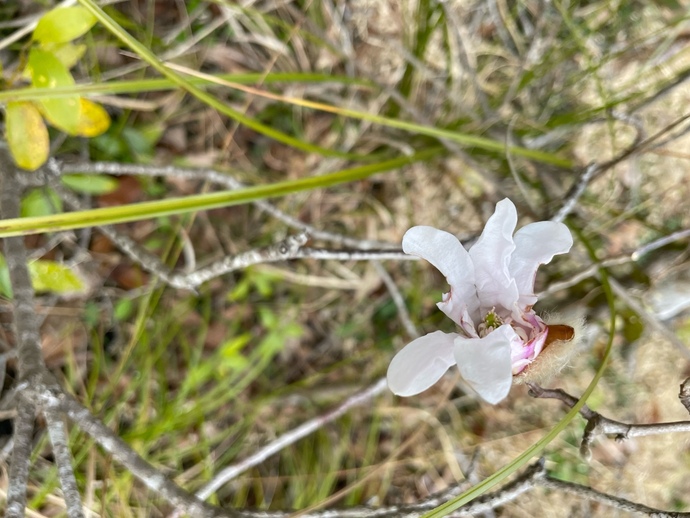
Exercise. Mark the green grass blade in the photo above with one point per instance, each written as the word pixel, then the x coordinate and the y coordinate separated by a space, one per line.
pixel 155 85
pixel 465 139
pixel 152 209
pixel 148 56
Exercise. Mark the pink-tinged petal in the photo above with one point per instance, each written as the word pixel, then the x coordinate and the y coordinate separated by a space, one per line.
pixel 536 244
pixel 421 363
pixel 526 351
pixel 491 258
pixel 445 252
pixel 485 363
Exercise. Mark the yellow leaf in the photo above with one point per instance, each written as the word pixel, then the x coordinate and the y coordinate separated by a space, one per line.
pixel 93 119
pixel 27 135
pixel 55 277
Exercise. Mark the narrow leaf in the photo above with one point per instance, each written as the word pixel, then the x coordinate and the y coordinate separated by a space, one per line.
pixel 48 72
pixel 27 135
pixel 63 24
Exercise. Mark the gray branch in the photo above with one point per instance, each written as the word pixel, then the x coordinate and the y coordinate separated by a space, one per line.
pixel 592 495
pixel 21 454
pixel 54 398
pixel 597 424
pixel 29 355
pixel 291 437
pixel 63 458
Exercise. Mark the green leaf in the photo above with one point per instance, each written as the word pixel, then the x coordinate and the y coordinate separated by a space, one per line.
pixel 27 135
pixel 48 72
pixel 41 202
pixel 54 277
pixel 5 284
pixel 45 276
pixel 633 326
pixel 90 184
pixel 124 308
pixel 67 53
pixel 63 24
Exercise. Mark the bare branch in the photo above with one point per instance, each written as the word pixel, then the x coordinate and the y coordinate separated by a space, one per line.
pixel 29 354
pixel 291 437
pixel 600 425
pixel 21 455
pixel 29 26
pixel 658 243
pixel 28 345
pixel 573 195
pixel 285 249
pixel 580 276
pixel 53 397
pixel 63 458
pixel 592 495
pixel 353 255
pixel 592 171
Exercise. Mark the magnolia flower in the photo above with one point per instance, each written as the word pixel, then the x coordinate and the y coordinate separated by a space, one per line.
pixel 490 299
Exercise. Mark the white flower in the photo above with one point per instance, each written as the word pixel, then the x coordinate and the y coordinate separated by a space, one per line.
pixel 490 299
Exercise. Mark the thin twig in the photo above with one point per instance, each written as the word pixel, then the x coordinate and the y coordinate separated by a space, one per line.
pixel 291 437
pixel 398 300
pixel 597 424
pixel 592 495
pixel 658 243
pixel 576 191
pixel 594 170
pixel 63 458
pixel 52 397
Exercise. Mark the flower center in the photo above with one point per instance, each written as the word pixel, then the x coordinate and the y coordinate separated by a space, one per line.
pixel 491 321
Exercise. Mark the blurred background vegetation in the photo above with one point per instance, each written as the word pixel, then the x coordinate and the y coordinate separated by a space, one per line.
pixel 509 98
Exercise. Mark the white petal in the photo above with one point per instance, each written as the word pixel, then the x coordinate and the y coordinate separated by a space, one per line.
pixel 491 258
pixel 485 363
pixel 445 252
pixel 536 244
pixel 421 363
